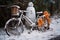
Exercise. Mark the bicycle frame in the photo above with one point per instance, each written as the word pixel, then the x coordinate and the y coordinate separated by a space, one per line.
pixel 26 18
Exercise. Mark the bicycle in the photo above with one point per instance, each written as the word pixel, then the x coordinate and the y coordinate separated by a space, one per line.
pixel 44 21
pixel 13 24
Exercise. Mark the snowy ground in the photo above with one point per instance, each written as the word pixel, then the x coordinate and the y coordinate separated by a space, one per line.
pixel 35 35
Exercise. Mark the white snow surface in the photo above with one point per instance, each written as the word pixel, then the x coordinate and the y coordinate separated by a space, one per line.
pixel 37 35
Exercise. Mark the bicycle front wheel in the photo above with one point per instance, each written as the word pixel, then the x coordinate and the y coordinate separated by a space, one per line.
pixel 12 27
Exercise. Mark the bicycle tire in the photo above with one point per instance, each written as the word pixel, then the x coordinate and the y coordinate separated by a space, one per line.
pixel 9 26
pixel 46 24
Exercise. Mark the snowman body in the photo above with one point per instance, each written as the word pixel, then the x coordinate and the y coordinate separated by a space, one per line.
pixel 31 12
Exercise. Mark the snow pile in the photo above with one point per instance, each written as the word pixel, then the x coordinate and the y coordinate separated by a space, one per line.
pixel 37 35
pixel 56 26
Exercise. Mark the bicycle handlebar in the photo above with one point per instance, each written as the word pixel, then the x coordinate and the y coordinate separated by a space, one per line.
pixel 39 12
pixel 23 11
pixel 27 11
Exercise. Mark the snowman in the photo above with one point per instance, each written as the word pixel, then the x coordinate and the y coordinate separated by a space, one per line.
pixel 31 12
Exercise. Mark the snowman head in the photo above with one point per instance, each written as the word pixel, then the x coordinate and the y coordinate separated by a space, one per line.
pixel 30 4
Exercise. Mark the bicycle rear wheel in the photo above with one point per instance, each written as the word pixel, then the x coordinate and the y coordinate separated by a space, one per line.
pixel 46 25
pixel 12 27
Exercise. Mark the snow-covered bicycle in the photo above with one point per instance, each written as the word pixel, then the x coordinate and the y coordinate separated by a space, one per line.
pixel 15 26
